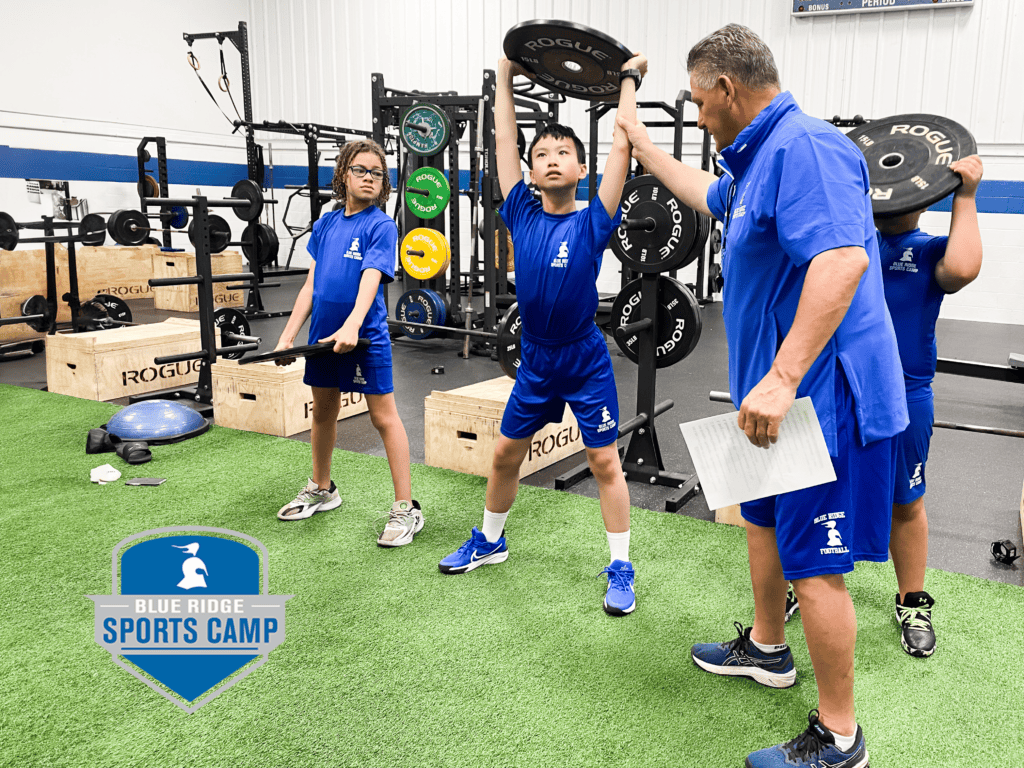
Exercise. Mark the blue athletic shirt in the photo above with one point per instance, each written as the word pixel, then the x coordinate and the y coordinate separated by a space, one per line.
pixel 800 187
pixel 558 259
pixel 343 246
pixel 914 298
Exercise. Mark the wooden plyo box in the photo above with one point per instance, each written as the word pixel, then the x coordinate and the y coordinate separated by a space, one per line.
pixel 104 365
pixel 268 398
pixel 185 298
pixel 462 426
pixel 23 274
pixel 730 516
pixel 120 270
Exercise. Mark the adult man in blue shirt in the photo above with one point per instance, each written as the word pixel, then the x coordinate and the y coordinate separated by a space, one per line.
pixel 805 316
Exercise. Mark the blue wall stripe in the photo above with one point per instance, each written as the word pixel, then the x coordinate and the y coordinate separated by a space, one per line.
pixel 17 163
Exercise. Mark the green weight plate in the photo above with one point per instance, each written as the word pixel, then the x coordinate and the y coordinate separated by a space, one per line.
pixel 425 129
pixel 427 192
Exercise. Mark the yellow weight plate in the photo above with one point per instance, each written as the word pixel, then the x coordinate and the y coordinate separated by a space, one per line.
pixel 511 253
pixel 425 253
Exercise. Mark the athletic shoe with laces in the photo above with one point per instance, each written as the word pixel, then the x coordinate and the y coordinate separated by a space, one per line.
pixel 792 605
pixel 814 748
pixel 740 657
pixel 915 617
pixel 620 598
pixel 405 520
pixel 311 499
pixel 476 551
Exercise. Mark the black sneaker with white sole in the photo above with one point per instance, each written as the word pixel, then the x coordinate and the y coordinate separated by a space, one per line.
pixel 915 617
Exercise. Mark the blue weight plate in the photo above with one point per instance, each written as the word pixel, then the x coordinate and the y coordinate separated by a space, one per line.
pixel 420 305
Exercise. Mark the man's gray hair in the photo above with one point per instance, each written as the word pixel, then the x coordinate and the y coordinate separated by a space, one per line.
pixel 734 51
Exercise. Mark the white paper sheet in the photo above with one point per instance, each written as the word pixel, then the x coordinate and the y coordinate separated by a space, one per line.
pixel 732 470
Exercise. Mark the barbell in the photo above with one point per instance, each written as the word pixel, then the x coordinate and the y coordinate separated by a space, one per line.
pixel 100 312
pixel 91 231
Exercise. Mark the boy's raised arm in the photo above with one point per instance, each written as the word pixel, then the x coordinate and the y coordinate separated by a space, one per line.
pixel 617 165
pixel 510 170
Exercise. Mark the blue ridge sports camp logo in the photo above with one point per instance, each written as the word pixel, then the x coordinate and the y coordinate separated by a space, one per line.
pixel 192 611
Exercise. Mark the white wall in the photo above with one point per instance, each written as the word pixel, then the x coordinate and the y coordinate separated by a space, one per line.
pixel 125 76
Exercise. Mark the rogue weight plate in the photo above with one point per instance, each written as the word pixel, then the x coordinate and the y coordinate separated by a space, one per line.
pixel 568 58
pixel 420 305
pixel 908 160
pixel 102 308
pixel 117 309
pixel 268 242
pixel 434 183
pixel 38 305
pixel 678 321
pixel 248 190
pixel 510 330
pixel 425 129
pixel 228 320
pixel 220 233
pixel 672 238
pixel 8 232
pixel 128 227
pixel 93 225
pixel 425 253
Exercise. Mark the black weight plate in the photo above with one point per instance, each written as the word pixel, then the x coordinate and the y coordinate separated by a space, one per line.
pixel 112 220
pixel 509 349
pixel 220 233
pixel 151 241
pixel 94 226
pixel 116 309
pixel 37 305
pixel 568 58
pixel 230 320
pixel 670 245
pixel 678 321
pixel 248 190
pixel 699 241
pixel 268 242
pixel 420 305
pixel 8 232
pixel 436 125
pixel 92 314
pixel 130 228
pixel 908 160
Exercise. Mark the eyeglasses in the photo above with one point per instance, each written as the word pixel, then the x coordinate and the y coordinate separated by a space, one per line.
pixel 358 171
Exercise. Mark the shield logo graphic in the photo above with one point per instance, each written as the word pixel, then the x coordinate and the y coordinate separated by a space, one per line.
pixel 189 612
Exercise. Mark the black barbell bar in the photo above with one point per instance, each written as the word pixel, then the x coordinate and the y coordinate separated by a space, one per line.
pixel 449 328
pixel 227 202
pixel 647 224
pixel 723 397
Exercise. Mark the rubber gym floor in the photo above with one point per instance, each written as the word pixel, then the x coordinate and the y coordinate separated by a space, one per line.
pixel 387 663
pixel 974 480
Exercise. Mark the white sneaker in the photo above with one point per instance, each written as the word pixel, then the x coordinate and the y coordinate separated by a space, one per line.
pixel 310 500
pixel 404 521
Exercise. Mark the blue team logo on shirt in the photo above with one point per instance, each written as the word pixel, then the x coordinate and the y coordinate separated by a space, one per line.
pixel 353 251
pixel 186 614
pixel 906 262
pixel 562 259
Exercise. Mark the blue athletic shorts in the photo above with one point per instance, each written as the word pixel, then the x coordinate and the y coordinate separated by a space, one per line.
pixel 578 373
pixel 348 373
pixel 825 529
pixel 912 451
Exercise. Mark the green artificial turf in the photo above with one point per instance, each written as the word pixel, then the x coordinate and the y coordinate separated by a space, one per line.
pixel 387 662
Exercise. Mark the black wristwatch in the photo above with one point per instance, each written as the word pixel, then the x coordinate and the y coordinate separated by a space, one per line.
pixel 633 73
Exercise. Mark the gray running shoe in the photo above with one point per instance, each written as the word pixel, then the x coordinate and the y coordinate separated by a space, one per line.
pixel 310 500
pixel 405 520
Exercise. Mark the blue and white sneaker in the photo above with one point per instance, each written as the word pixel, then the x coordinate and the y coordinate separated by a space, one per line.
pixel 741 657
pixel 620 598
pixel 814 748
pixel 475 552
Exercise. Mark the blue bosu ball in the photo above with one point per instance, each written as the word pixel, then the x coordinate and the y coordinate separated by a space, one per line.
pixel 157 421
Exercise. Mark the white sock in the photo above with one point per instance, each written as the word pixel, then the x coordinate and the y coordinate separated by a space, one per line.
pixel 494 524
pixel 618 543
pixel 767 648
pixel 845 743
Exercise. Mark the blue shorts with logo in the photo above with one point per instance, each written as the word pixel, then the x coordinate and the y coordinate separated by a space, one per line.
pixel 912 450
pixel 349 373
pixel 826 528
pixel 578 373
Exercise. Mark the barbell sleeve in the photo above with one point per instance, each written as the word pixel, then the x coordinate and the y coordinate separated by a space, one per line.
pixel 646 223
pixel 242 339
pixel 156 282
pixel 629 329
pixel 415 253
pixel 418 191
pixel 719 397
pixel 237 348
